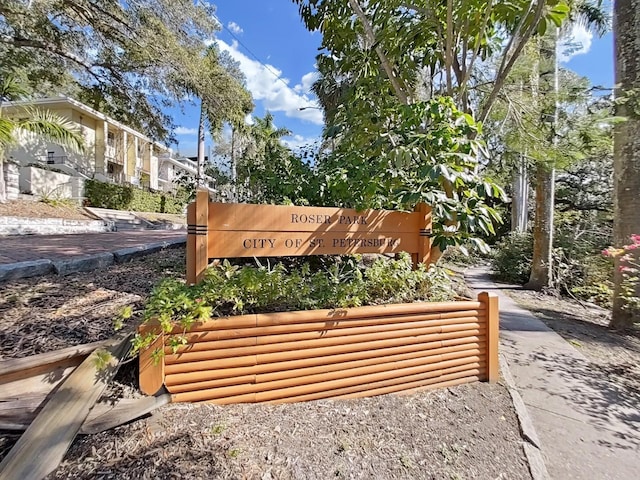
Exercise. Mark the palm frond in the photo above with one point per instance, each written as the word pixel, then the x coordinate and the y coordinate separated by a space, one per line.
pixel 11 89
pixel 6 132
pixel 53 127
pixel 592 16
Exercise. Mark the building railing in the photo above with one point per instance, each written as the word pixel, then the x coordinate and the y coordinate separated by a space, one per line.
pixel 64 160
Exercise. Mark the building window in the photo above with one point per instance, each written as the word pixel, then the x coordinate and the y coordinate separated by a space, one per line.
pixel 111 139
pixel 50 159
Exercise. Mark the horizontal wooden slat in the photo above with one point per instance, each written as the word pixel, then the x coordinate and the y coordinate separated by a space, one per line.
pixel 448 380
pixel 390 385
pixel 364 376
pixel 335 315
pixel 449 318
pixel 275 390
pixel 319 347
pixel 444 381
pixel 468 372
pixel 320 362
pixel 337 370
pixel 286 218
pixel 277 343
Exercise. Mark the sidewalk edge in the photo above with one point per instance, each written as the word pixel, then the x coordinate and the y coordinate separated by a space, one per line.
pixel 532 446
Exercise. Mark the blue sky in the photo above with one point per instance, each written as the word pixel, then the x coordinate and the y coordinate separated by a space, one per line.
pixel 277 55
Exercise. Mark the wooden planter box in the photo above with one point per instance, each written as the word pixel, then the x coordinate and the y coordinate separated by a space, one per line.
pixel 342 353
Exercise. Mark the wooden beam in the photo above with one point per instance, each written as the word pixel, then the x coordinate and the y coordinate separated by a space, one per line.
pixel 493 321
pixel 17 415
pixel 197 232
pixel 19 368
pixel 424 234
pixel 49 436
pixel 151 377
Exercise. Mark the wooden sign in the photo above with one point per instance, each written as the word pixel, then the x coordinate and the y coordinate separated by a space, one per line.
pixel 225 230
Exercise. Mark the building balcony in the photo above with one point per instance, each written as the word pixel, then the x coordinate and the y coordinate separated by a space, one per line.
pixel 64 160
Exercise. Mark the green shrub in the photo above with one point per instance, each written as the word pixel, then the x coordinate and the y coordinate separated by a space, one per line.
pixel 463 255
pixel 512 257
pixel 128 197
pixel 229 289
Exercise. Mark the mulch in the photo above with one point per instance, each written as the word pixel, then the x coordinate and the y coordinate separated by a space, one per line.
pixel 468 431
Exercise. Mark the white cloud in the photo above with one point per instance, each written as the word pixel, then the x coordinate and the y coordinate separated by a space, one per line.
pixel 235 28
pixel 186 131
pixel 275 94
pixel 307 82
pixel 576 42
pixel 249 119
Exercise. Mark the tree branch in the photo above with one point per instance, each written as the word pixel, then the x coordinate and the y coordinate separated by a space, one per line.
pixel 507 65
pixel 386 64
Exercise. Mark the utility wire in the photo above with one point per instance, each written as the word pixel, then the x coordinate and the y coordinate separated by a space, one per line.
pixel 267 67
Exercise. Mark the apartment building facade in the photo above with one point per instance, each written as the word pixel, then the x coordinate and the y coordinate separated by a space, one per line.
pixel 114 151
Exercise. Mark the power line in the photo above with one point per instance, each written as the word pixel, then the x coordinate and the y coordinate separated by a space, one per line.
pixel 267 67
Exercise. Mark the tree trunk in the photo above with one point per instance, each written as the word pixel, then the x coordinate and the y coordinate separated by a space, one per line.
pixel 519 202
pixel 626 165
pixel 200 157
pixel 541 267
pixel 233 167
pixel 3 188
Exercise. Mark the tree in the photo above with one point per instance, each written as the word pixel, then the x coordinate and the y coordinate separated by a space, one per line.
pixel 112 50
pixel 47 124
pixel 219 84
pixel 542 264
pixel 427 46
pixel 626 167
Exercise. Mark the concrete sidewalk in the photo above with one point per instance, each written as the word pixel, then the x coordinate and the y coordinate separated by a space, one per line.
pixel 587 428
pixel 25 256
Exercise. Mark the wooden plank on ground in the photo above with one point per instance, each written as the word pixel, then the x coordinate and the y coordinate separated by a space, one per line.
pixel 49 436
pixel 19 367
pixel 105 416
pixel 17 415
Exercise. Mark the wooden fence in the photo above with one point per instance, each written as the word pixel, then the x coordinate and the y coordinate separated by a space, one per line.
pixel 306 355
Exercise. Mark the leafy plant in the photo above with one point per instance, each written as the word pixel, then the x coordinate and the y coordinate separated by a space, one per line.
pixel 128 197
pixel 512 258
pixel 229 289
pixel 395 156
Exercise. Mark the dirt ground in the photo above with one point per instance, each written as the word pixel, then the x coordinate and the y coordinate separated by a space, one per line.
pixel 469 431
pixel 35 209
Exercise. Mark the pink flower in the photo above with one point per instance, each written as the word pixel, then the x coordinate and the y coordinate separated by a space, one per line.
pixel 633 246
pixel 635 238
pixel 624 269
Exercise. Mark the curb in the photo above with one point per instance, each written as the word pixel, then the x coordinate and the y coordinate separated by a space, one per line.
pixel 83 264
pixel 34 268
pixel 531 444
pixel 31 268
pixel 127 254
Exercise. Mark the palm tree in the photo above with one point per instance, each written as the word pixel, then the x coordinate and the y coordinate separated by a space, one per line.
pixel 49 125
pixel 267 137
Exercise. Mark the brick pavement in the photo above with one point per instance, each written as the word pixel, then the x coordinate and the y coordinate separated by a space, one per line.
pixel 24 248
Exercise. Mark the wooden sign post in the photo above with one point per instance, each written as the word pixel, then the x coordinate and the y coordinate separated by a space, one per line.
pixel 197 232
pixel 225 230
